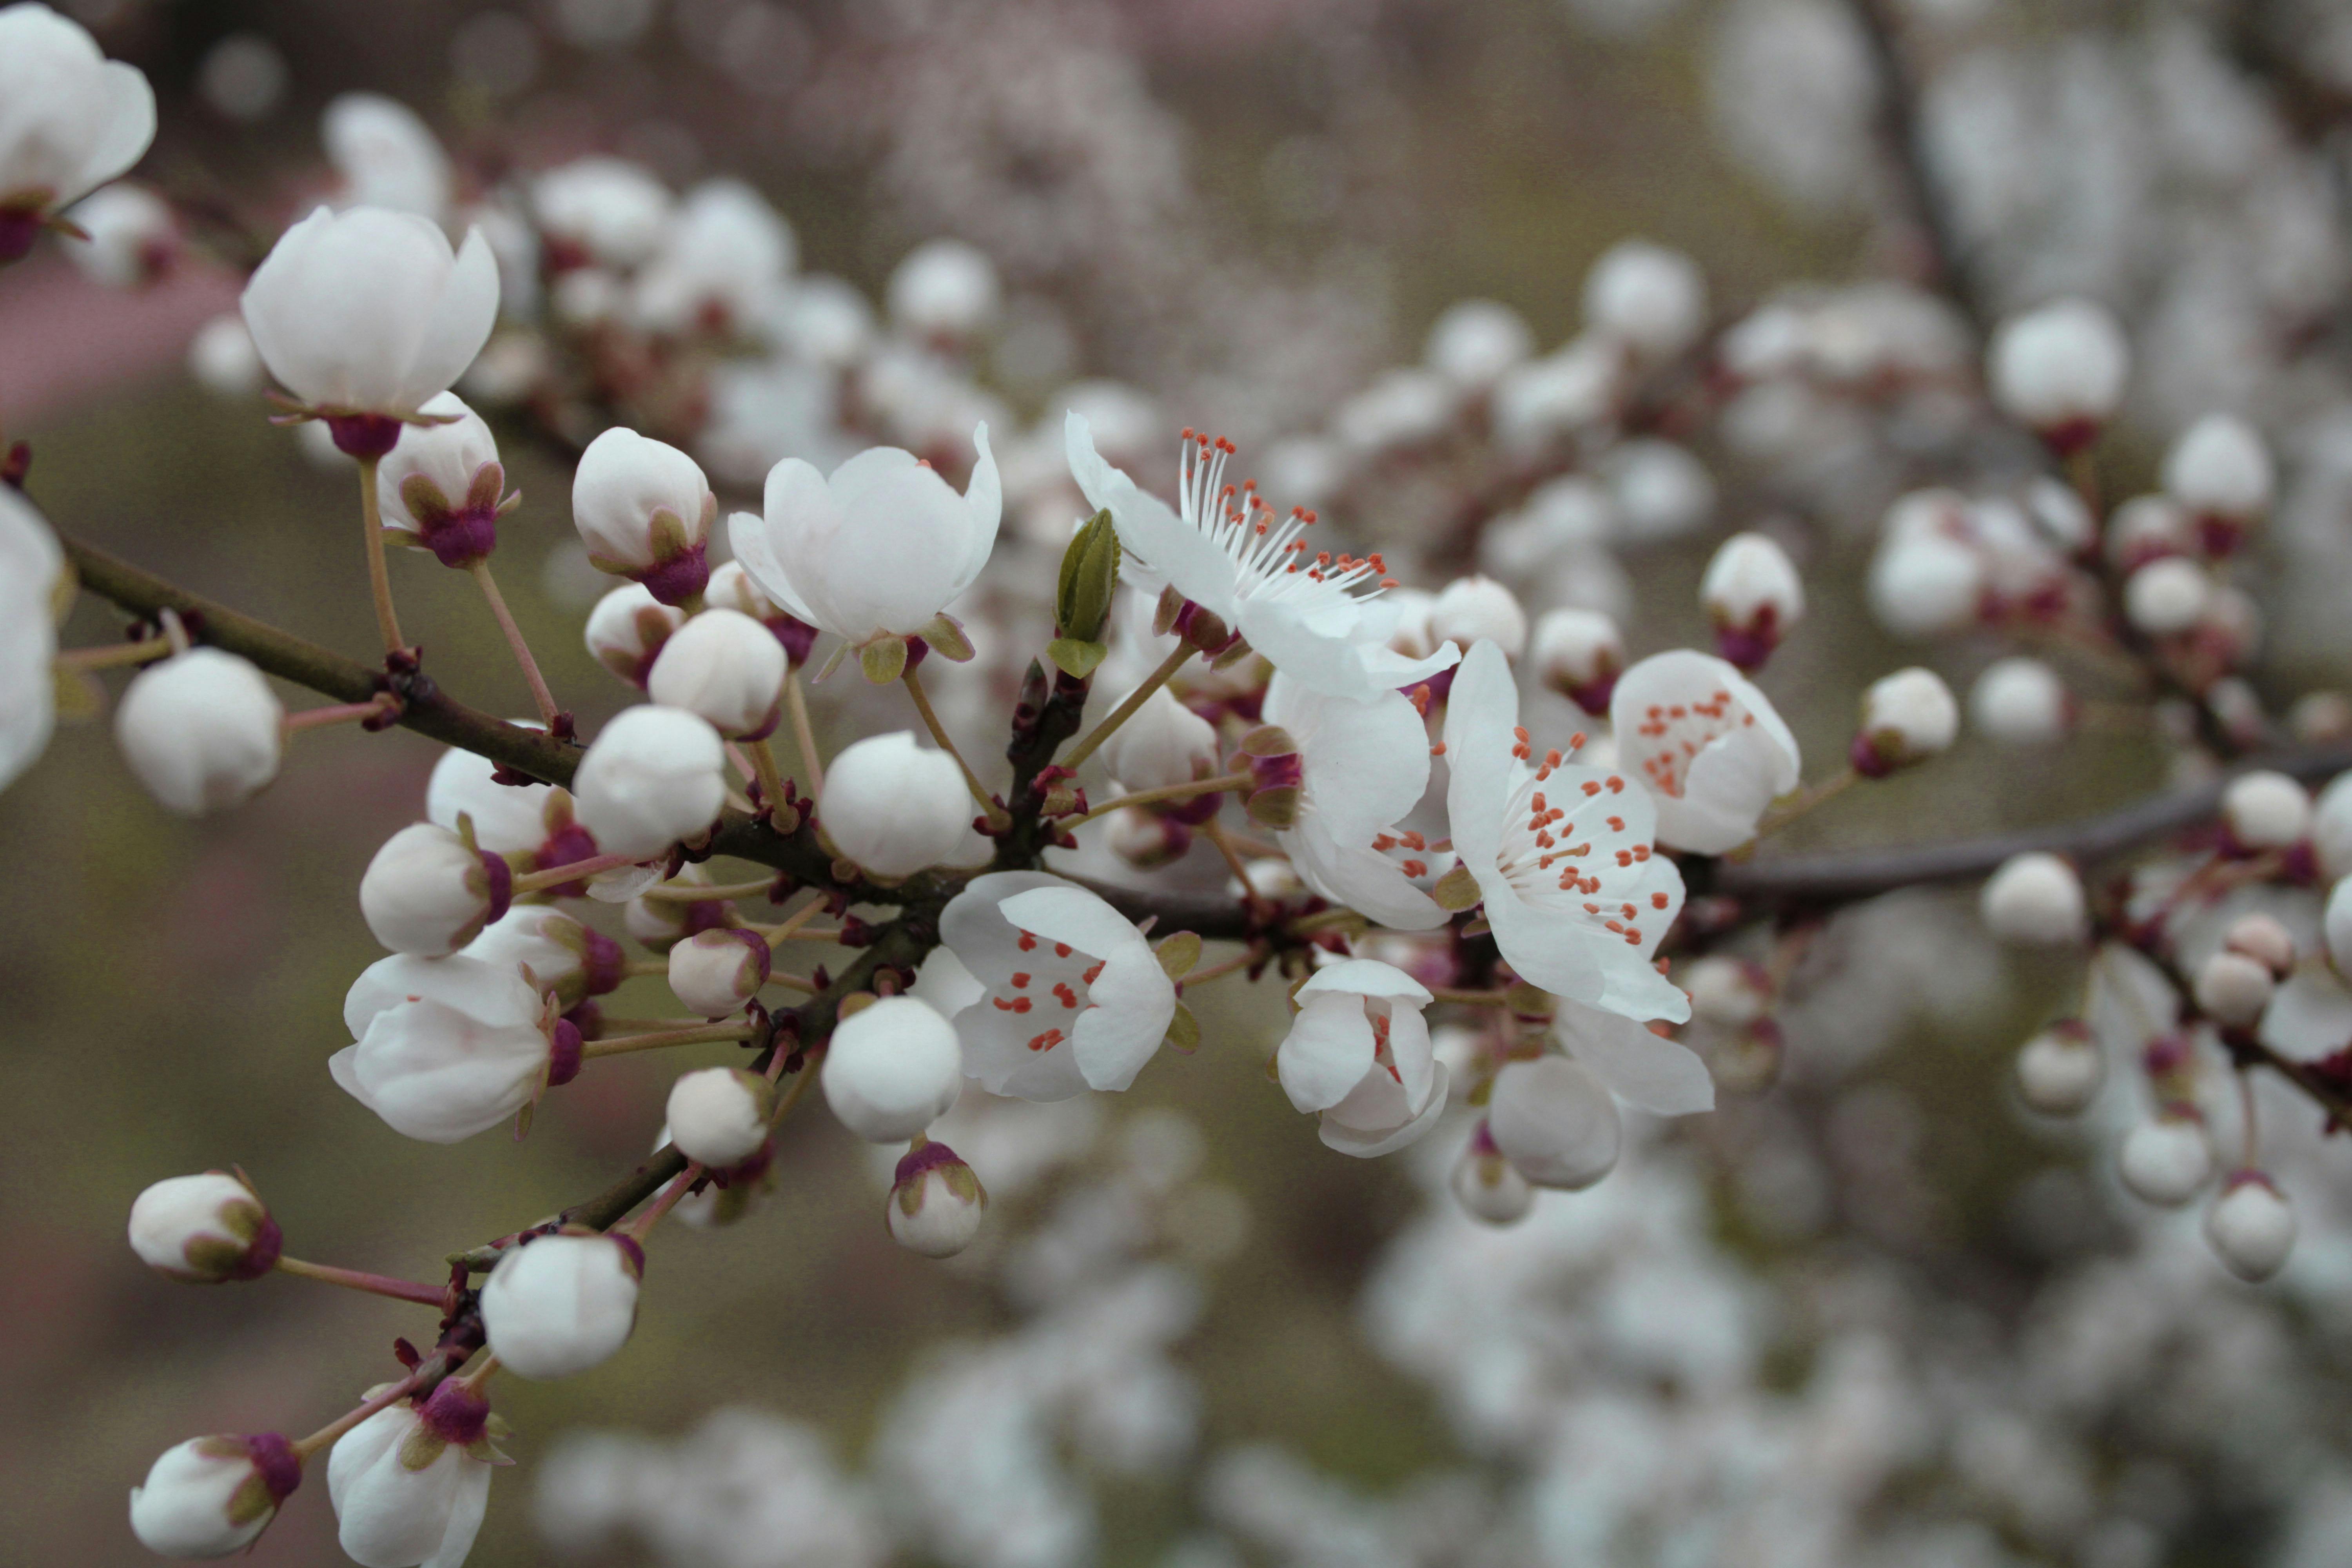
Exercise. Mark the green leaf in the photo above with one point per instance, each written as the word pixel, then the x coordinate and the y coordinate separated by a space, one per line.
pixel 1088 580
pixel 1075 658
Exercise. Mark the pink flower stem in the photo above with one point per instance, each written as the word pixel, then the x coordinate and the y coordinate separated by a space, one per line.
pixel 341 713
pixel 556 876
pixel 480 568
pixel 1127 710
pixel 379 575
pixel 435 1295
pixel 643 1224
pixel 705 1034
pixel 352 1417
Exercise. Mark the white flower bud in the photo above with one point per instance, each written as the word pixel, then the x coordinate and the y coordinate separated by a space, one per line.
pixel 653 777
pixel 2034 899
pixel 427 893
pixel 2021 701
pixel 1907 717
pixel 1580 654
pixel 2060 370
pixel 715 973
pixel 892 807
pixel 936 1202
pixel 386 154
pixel 1752 595
pixel 2144 529
pixel 718 1115
pixel 943 288
pixel 1646 296
pixel 560 1304
pixel 1662 492
pixel 725 667
pixel 2261 938
pixel 210 1497
pixel 202 730
pixel 2335 926
pixel 410 1485
pixel 2060 1071
pixel 893 1068
pixel 1475 609
pixel 441 486
pixel 1730 993
pixel 222 357
pixel 2168 597
pixel 204 1229
pixel 1488 1186
pixel 1554 1122
pixel 2250 1226
pixel 605 209
pixel 2266 810
pixel 1163 743
pixel 2233 989
pixel 132 239
pixel 627 630
pixel 645 510
pixel 75 120
pixel 2220 469
pixel 2167 1160
pixel 1474 343
pixel 1925 585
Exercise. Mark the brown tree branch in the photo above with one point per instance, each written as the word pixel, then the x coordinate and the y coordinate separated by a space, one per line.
pixel 1904 131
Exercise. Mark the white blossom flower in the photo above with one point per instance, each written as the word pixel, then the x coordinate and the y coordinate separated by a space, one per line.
pixel 1587 930
pixel 127 236
pixel 441 486
pixel 645 510
pixel 724 667
pixel 602 209
pixel 880 547
pixel 936 1202
pixel 367 315
pixel 653 775
pixel 893 807
pixel 204 1229
pixel 715 973
pixel 1580 654
pixel 943 288
pixel 1648 297
pixel 1163 743
pixel 2060 1071
pixel 1232 558
pixel 2250 1226
pixel 2168 597
pixel 34 586
pixel 447 1048
pixel 1487 1186
pixel 2266 810
pixel 1076 997
pixel 428 892
pixel 2060 370
pixel 1924 584
pixel 1357 1054
pixel 1752 594
pixel 1362 766
pixel 560 1304
pixel 2335 926
pixel 1473 344
pixel 2232 989
pixel 566 959
pixel 222 357
pixel 202 730
pixel 1663 1077
pixel 410 1485
pixel 507 819
pixel 722 264
pixel 2220 469
pixel 892 1069
pixel 210 1497
pixel 1710 747
pixel 386 154
pixel 2021 701
pixel 1554 1122
pixel 627 630
pixel 718 1115
pixel 2034 899
pixel 70 120
pixel 1906 718
pixel 1474 609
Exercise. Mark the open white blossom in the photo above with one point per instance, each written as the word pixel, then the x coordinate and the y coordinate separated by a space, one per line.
pixel 410 1485
pixel 70 120
pixel 1359 1054
pixel 1710 747
pixel 447 1048
pixel 1363 767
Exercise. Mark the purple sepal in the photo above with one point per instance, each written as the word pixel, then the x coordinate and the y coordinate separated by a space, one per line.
pixel 916 1162
pixel 456 1414
pixel 567 846
pixel 1869 760
pixel 797 635
pixel 767 728
pixel 1593 695
pixel 261 1253
pixel 1749 649
pixel 588 1018
pixel 749 1170
pixel 1191 813
pixel 1482 1142
pixel 632 1251
pixel 705 915
pixel 364 436
pixel 18 229
pixel 680 578
pixel 465 537
pixel 603 963
pixel 760 948
pixel 1274 773
pixel 279 1467
pixel 501 876
pixel 564 1053
pixel 917 650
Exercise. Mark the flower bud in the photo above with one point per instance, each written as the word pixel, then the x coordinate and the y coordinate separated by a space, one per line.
pixel 2266 810
pixel 1164 742
pixel 202 730
pixel 1475 342
pixel 1646 296
pixel 1752 594
pixel 2060 371
pixel 210 1497
pixel 627 630
pixel 447 1048
pixel 655 775
pixel 715 973
pixel 2233 989
pixel 602 209
pixel 1554 1122
pixel 1487 1186
pixel 1730 993
pixel 76 120
pixel 428 892
pixel 204 1229
pixel 1580 654
pixel 893 1069
pixel 731 588
pixel 644 511
pixel 2060 1071
pixel 2250 1226
pixel 2021 701
pixel 2166 1160
pixel 2034 899
pixel 1925 585
pixel 1089 579
pixel 2168 597
pixel 2261 938
pixel 1475 609
pixel 132 239
pixel 221 358
pixel 2221 472
pixel 566 958
pixel 718 1115
pixel 410 1483
pixel 725 668
pixel 944 289
pixel 563 1303
pixel 440 487
pixel 1907 717
pixel 936 1202
pixel 892 807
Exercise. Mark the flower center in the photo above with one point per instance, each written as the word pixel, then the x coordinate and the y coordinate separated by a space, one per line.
pixel 1268 551
pixel 1570 850
pixel 1055 987
pixel 1676 732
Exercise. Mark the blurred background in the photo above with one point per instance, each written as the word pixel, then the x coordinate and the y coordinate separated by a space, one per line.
pixel 1871 1311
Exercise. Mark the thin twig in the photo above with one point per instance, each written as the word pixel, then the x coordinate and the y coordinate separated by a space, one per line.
pixel 498 601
